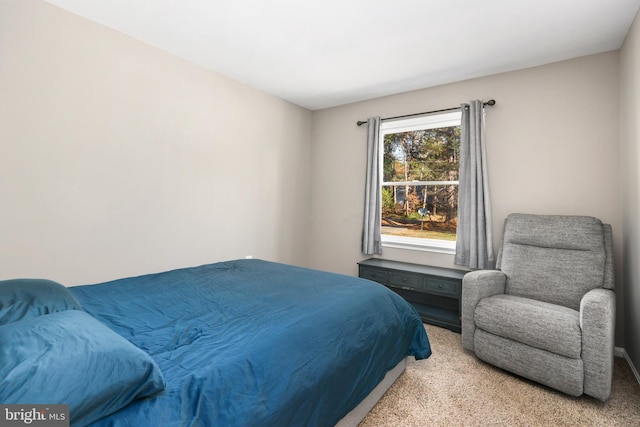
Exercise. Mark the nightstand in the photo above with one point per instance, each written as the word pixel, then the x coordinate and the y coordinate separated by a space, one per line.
pixel 435 292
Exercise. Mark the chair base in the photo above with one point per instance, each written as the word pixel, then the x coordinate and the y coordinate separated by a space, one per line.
pixel 553 370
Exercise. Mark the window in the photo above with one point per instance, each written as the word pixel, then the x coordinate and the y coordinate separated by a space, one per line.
pixel 420 158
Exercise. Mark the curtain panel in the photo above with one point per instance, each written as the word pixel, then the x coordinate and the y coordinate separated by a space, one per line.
pixel 474 247
pixel 371 240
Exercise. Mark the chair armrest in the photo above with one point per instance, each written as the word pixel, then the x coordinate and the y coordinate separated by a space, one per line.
pixel 597 321
pixel 475 286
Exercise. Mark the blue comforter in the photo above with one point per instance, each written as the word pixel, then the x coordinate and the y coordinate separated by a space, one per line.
pixel 256 343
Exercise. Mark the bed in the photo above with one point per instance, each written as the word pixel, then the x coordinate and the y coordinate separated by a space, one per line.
pixel 235 343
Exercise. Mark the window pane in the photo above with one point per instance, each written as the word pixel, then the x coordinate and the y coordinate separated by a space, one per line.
pixel 420 210
pixel 422 155
pixel 424 211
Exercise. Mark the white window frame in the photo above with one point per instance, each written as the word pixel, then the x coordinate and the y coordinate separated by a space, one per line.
pixel 406 125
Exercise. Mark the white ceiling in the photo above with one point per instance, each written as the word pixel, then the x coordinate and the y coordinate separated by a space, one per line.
pixel 330 52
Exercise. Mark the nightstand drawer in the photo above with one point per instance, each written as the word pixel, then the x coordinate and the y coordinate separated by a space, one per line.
pixel 380 276
pixel 442 287
pixel 404 280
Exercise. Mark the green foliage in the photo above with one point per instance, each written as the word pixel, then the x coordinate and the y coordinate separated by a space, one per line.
pixel 423 155
pixel 388 204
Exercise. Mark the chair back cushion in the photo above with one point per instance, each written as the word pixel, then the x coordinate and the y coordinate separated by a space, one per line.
pixel 553 258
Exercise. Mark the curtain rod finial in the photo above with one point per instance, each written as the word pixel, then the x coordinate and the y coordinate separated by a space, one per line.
pixel 360 123
pixel 491 102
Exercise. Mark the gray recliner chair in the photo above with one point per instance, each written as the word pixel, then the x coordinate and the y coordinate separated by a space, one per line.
pixel 548 312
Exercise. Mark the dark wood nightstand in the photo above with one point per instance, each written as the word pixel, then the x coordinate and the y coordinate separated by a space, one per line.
pixel 435 292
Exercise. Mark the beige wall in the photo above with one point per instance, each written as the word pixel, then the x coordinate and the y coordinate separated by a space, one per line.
pixel 552 147
pixel 630 184
pixel 117 158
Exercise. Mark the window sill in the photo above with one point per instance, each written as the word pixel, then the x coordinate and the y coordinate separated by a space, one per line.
pixel 415 244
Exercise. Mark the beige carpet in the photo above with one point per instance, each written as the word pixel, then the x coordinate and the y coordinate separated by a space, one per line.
pixel 453 388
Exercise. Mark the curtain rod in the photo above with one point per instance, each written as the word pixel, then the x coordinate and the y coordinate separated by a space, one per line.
pixel 489 102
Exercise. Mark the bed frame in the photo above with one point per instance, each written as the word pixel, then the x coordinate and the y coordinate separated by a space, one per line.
pixel 357 414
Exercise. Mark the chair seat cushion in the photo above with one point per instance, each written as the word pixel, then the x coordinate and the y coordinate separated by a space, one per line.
pixel 549 327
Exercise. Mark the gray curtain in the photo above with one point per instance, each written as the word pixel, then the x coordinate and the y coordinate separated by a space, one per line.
pixel 474 247
pixel 371 240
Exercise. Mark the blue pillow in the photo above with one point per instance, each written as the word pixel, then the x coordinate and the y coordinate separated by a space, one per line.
pixel 71 358
pixel 26 298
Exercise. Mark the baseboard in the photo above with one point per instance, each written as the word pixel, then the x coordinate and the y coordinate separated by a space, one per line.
pixel 621 352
